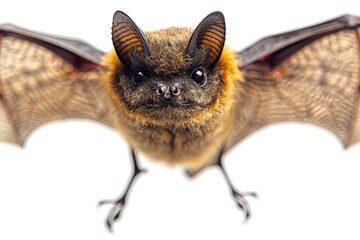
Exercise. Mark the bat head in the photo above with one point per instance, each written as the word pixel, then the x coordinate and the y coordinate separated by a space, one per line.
pixel 172 74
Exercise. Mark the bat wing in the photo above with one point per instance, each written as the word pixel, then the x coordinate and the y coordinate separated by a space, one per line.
pixel 45 78
pixel 309 75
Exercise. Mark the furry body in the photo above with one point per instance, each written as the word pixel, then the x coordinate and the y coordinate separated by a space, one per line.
pixel 188 135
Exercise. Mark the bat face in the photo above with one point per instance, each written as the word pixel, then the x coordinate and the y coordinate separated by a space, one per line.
pixel 168 75
pixel 169 85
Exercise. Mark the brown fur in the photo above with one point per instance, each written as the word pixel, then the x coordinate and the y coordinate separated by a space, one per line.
pixel 191 136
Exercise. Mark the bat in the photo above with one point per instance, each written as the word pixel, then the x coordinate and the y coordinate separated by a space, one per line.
pixel 264 66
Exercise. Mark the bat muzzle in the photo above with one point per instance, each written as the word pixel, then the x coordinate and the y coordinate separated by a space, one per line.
pixel 168 91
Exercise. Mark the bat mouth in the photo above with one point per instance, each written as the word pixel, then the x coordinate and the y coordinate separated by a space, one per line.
pixel 169 111
pixel 169 104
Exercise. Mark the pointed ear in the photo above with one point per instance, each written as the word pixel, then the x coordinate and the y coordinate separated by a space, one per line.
pixel 128 37
pixel 209 34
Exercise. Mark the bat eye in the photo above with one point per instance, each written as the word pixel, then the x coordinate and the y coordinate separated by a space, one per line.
pixel 199 77
pixel 138 78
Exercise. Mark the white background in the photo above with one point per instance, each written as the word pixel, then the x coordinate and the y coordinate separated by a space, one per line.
pixel 308 185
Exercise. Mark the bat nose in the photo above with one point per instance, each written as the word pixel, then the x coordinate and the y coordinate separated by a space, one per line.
pixel 168 91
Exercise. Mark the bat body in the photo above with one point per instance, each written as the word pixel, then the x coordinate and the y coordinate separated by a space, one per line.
pixel 179 95
pixel 185 135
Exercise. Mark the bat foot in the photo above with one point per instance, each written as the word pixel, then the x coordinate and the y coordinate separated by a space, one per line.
pixel 239 197
pixel 242 203
pixel 114 213
pixel 118 204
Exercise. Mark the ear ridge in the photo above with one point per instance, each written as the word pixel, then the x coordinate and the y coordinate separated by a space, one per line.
pixel 209 34
pixel 126 36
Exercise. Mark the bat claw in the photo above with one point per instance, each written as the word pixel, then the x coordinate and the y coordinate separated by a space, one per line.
pixel 243 204
pixel 118 204
pixel 115 211
pixel 239 197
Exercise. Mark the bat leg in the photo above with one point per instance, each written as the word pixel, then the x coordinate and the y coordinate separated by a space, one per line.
pixel 239 197
pixel 118 204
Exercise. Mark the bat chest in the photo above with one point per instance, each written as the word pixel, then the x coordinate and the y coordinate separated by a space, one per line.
pixel 189 145
pixel 173 145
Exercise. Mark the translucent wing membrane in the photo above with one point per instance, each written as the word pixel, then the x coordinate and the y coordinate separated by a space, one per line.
pixel 316 83
pixel 41 81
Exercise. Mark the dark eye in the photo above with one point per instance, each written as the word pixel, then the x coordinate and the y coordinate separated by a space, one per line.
pixel 138 78
pixel 199 77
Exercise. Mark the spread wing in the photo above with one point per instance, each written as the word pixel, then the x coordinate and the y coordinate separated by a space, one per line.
pixel 309 75
pixel 45 78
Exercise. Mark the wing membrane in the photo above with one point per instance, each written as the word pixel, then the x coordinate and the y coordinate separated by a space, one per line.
pixel 38 84
pixel 317 84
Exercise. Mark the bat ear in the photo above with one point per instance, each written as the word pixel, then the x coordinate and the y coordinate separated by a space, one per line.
pixel 128 38
pixel 210 35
